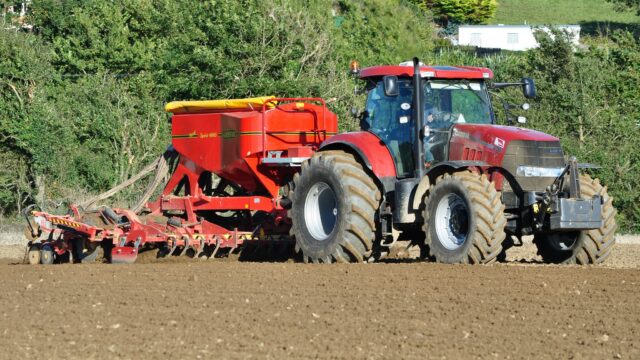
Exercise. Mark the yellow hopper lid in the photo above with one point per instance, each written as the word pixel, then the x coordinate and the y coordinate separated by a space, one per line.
pixel 180 107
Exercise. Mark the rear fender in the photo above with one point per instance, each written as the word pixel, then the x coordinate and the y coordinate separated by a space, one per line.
pixel 372 153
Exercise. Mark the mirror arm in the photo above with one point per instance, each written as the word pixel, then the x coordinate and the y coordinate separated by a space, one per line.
pixel 504 85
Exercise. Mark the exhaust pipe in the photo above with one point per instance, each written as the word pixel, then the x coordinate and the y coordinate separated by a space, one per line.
pixel 418 115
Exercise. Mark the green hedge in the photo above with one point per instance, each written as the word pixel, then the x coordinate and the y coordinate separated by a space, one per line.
pixel 81 97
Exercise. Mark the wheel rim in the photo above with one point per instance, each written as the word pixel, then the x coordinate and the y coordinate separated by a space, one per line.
pixel 321 211
pixel 34 255
pixel 452 221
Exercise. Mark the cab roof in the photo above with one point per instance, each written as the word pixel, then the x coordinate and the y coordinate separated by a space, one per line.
pixel 437 72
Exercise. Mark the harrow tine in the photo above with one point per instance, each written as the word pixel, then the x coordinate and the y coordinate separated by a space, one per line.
pixel 200 248
pixel 215 250
pixel 187 244
pixel 174 246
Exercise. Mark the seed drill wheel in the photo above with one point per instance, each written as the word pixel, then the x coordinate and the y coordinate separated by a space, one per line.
pixel 464 219
pixel 46 254
pixel 33 255
pixel 587 246
pixel 334 203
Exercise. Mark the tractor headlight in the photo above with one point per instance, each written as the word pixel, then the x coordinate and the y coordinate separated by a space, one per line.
pixel 534 171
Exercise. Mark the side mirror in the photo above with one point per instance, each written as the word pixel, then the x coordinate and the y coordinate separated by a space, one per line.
pixel 390 85
pixel 528 88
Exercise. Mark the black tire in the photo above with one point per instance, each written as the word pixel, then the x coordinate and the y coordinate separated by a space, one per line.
pixel 46 255
pixel 335 187
pixel 464 219
pixel 587 246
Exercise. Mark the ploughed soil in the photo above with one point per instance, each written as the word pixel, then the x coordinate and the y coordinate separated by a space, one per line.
pixel 398 309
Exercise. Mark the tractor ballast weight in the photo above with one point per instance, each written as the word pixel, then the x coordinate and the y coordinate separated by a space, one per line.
pixel 252 146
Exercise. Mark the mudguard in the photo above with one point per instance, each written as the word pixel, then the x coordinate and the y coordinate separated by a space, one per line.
pixel 372 152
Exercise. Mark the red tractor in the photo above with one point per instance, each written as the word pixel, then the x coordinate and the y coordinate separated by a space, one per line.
pixel 429 156
pixel 429 159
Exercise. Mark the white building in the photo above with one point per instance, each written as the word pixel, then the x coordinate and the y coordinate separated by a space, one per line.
pixel 507 37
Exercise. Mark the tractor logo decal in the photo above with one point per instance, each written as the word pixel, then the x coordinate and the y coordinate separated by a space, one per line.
pixel 185 136
pixel 498 143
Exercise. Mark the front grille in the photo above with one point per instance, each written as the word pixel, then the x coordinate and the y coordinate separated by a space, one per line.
pixel 547 154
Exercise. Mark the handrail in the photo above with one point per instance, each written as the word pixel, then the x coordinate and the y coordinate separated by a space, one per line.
pixel 302 99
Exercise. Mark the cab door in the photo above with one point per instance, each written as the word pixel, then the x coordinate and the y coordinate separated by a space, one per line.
pixel 390 118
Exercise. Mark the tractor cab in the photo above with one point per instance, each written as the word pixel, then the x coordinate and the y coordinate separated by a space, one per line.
pixel 445 103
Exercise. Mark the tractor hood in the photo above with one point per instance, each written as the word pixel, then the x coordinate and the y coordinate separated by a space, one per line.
pixel 498 135
pixel 532 157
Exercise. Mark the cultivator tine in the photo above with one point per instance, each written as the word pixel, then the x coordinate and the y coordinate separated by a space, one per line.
pixel 174 246
pixel 200 248
pixel 187 244
pixel 215 250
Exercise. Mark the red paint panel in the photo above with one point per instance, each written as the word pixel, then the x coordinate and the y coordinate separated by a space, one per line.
pixel 371 147
pixel 488 133
pixel 442 72
pixel 231 143
pixel 488 142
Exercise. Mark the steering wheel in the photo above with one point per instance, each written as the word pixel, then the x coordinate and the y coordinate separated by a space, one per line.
pixel 445 116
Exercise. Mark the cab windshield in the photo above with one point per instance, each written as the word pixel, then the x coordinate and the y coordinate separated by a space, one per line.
pixel 458 101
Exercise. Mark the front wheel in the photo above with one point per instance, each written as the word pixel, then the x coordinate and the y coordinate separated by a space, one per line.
pixel 334 203
pixel 587 246
pixel 464 219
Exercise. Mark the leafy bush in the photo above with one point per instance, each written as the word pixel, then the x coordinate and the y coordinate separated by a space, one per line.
pixel 81 100
pixel 24 70
pixel 461 11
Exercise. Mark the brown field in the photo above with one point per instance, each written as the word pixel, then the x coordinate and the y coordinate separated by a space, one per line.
pixel 398 309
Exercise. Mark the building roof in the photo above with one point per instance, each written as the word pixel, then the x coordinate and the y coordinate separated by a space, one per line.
pixel 442 72
pixel 527 26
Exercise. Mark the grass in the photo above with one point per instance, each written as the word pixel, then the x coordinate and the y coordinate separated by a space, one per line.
pixel 595 13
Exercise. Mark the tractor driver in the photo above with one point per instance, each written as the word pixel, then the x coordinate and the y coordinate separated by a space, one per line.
pixel 435 126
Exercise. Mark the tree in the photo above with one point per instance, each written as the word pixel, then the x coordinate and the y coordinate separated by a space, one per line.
pixel 461 11
pixel 81 95
pixel 626 5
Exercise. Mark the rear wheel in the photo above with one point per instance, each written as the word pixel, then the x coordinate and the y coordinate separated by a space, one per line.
pixel 587 246
pixel 334 203
pixel 464 219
